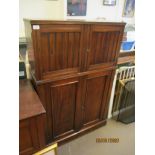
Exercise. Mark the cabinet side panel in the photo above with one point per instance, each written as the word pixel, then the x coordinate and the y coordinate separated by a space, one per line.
pixel 28 138
pixel 44 95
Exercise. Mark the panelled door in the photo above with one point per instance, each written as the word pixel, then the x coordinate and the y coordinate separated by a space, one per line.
pixel 96 97
pixel 60 48
pixel 103 45
pixel 63 107
pixel 74 103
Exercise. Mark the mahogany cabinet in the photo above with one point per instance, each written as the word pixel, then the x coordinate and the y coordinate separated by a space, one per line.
pixel 72 67
pixel 31 120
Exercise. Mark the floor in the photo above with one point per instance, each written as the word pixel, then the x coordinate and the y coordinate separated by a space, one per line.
pixel 87 145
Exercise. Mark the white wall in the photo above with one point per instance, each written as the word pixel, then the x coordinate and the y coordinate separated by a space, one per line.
pixel 39 9
pixel 48 9
pixel 97 9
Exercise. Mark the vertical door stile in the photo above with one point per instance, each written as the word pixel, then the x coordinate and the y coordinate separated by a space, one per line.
pixel 88 45
pixel 85 47
pixel 121 32
pixel 39 50
pixel 81 44
pixel 79 104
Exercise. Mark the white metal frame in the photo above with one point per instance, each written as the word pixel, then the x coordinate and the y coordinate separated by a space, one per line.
pixel 126 72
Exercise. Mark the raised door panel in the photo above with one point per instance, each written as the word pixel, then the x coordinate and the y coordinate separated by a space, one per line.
pixel 104 45
pixel 97 89
pixel 60 49
pixel 64 98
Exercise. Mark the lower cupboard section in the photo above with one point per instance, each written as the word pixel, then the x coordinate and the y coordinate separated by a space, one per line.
pixel 75 105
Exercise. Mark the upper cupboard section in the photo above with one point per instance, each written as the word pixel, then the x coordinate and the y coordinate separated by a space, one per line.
pixel 59 49
pixel 103 45
pixel 72 48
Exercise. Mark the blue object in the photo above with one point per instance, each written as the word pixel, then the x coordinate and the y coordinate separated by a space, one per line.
pixel 127 45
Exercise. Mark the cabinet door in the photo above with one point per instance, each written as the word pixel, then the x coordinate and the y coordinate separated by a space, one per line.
pixel 96 97
pixel 58 49
pixel 103 45
pixel 63 107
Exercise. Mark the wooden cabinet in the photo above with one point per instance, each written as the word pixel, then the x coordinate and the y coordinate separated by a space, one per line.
pixel 72 66
pixel 31 120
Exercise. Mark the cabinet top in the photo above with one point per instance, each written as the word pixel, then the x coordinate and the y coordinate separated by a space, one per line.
pixel 29 102
pixel 73 21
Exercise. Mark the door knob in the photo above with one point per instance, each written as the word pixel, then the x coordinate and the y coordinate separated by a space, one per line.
pixel 82 107
pixel 88 50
